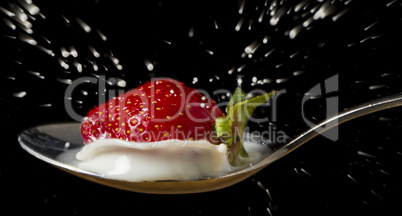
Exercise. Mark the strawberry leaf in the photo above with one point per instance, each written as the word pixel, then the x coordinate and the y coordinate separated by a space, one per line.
pixel 230 129
pixel 223 129
pixel 238 95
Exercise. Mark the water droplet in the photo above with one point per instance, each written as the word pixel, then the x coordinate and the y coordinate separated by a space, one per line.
pixel 307 22
pixel 94 52
pixel 191 32
pixel 37 74
pixel 269 52
pixel 250 49
pixel 254 79
pixel 299 6
pixel 239 24
pixel 65 19
pixel 390 3
pixel 371 25
pixel 241 68
pixel 20 16
pixel 365 154
pixel 27 39
pixel 210 52
pixel 63 64
pixel 149 65
pixel 305 172
pixel 20 94
pixel 46 50
pixel 261 17
pixel 7 12
pixel 64 52
pixel 45 105
pixel 30 7
pixel 293 33
pixel 119 67
pixel 239 80
pixel 282 80
pixel 9 24
pixel 216 24
pixel 278 14
pixel 265 40
pixel 73 52
pixel 114 60
pixel 241 8
pixel 340 14
pixel 65 81
pixel 102 36
pixel 374 87
pixel 348 2
pixel 78 66
pixel 95 66
pixel 121 82
pixel 365 39
pixel 326 9
pixel 83 25
pixel 195 80
pixel 297 73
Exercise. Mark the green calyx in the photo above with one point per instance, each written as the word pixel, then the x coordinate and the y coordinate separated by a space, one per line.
pixel 230 128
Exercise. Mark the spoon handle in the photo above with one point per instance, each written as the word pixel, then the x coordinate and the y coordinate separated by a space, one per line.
pixel 349 114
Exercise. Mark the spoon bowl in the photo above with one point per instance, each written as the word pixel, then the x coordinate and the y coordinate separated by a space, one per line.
pixel 49 142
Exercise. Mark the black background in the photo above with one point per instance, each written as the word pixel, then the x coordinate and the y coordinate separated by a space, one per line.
pixel 323 177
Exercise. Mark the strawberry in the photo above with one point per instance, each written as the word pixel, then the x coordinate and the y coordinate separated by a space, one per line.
pixel 159 110
pixel 167 109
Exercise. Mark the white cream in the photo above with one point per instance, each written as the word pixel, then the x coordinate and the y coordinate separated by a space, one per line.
pixel 165 160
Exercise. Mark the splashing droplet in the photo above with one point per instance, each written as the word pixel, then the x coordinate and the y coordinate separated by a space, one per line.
pixel 65 81
pixel 241 8
pixel 94 52
pixel 296 30
pixel 278 14
pixel 231 70
pixel 73 52
pixel 30 7
pixel 239 24
pixel 191 32
pixel 83 25
pixel 9 24
pixel 149 65
pixel 7 12
pixel 195 80
pixel 121 83
pixel 210 52
pixel 37 74
pixel 250 49
pixel 64 52
pixel 27 39
pixel 78 66
pixel 102 36
pixel 20 94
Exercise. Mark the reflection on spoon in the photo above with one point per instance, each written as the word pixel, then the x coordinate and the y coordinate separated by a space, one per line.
pixel 49 141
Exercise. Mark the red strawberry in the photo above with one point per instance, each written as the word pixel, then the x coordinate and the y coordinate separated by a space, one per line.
pixel 167 109
pixel 159 110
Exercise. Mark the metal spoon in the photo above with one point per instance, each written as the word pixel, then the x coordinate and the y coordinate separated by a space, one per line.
pixel 47 142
